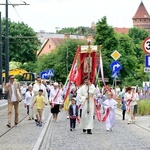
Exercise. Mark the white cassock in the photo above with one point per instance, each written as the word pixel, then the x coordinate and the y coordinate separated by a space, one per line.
pixel 36 88
pixel 87 118
pixel 134 97
pixel 29 100
pixel 110 121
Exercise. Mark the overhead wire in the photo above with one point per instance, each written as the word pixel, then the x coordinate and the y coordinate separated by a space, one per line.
pixel 16 11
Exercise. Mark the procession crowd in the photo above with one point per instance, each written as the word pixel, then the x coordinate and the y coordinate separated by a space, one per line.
pixel 86 103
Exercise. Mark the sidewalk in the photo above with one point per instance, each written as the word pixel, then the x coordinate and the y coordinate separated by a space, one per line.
pixel 141 121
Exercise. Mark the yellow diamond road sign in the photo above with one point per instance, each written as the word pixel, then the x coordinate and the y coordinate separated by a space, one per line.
pixel 115 55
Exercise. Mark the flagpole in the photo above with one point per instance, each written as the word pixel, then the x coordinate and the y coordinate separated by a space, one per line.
pixel 89 70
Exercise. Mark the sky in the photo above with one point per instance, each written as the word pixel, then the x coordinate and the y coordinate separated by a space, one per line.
pixel 46 15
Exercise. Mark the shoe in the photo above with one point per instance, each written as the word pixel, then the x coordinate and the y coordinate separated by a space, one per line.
pixel 16 124
pixel 128 122
pixel 40 124
pixel 67 117
pixel 29 119
pixel 37 123
pixel 89 131
pixel 70 129
pixel 9 125
pixel 84 130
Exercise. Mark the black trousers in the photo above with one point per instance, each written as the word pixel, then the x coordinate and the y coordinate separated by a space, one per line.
pixel 72 123
pixel 123 114
pixel 28 109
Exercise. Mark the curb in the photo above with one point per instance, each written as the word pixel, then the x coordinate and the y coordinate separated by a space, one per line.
pixel 41 137
pixel 2 106
pixel 119 114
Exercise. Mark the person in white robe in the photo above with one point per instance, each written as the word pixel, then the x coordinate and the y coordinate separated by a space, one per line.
pixel 36 88
pixel 29 99
pixel 131 98
pixel 111 105
pixel 54 100
pixel 86 95
pixel 128 98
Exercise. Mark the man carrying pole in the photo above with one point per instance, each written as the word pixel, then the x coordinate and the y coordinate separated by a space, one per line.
pixel 86 95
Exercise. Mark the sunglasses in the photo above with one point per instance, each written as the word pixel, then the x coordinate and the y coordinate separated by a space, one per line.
pixel 11 78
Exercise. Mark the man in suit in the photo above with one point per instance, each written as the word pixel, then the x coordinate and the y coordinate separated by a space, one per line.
pixel 12 88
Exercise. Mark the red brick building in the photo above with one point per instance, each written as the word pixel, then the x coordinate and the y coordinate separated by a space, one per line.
pixel 141 19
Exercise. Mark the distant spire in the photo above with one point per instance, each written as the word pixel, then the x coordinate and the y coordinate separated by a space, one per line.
pixel 141 12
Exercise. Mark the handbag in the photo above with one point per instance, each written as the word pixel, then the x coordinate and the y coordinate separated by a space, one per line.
pixel 19 95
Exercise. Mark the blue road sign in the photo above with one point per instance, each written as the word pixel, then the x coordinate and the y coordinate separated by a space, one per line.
pixel 115 74
pixel 50 73
pixel 43 75
pixel 115 66
pixel 147 60
pixel 47 74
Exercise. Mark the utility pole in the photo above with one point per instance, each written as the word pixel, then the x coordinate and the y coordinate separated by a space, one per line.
pixel 1 68
pixel 7 40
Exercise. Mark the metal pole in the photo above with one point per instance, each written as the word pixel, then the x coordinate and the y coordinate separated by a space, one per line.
pixel 67 57
pixel 6 46
pixel 1 69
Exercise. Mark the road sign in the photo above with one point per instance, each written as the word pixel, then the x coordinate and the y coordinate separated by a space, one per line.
pixel 146 45
pixel 114 75
pixel 115 55
pixel 47 74
pixel 146 69
pixel 43 75
pixel 115 66
pixel 147 61
pixel 50 73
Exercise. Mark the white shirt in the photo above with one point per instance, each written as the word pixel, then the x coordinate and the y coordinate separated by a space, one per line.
pixel 74 110
pixel 29 98
pixel 13 97
pixel 53 95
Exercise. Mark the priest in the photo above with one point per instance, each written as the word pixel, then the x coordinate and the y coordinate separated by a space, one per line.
pixel 86 95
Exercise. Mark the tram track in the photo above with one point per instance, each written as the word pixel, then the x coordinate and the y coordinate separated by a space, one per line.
pixel 9 129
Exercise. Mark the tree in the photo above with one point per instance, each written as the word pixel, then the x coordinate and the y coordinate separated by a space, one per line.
pixel 78 30
pixel 128 59
pixel 138 35
pixel 23 42
pixel 57 59
pixel 105 36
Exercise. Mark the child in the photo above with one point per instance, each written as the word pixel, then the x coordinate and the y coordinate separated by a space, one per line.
pixel 110 105
pixel 40 103
pixel 73 113
pixel 29 96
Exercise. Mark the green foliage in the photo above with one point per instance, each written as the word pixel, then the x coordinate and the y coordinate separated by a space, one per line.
pixel 57 59
pixel 138 35
pixel 23 42
pixel 105 36
pixel 144 107
pixel 79 30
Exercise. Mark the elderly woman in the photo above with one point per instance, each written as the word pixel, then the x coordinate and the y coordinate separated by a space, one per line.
pixel 54 100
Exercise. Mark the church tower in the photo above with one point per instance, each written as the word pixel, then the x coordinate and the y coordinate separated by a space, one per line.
pixel 141 19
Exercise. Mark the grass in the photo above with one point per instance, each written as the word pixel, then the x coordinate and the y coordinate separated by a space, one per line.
pixel 143 107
